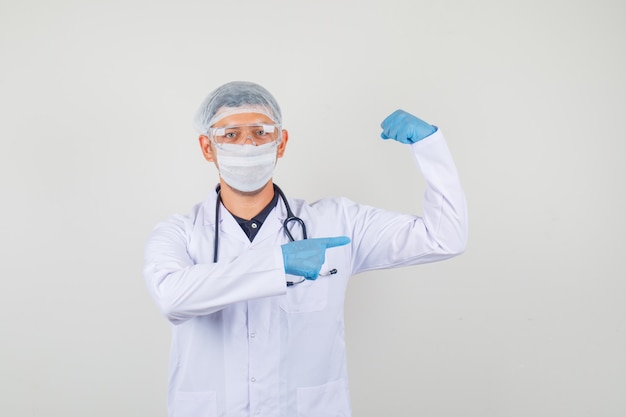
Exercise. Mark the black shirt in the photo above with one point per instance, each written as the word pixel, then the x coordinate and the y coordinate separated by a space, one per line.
pixel 251 227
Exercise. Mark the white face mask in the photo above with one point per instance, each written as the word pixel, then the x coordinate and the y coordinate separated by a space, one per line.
pixel 246 167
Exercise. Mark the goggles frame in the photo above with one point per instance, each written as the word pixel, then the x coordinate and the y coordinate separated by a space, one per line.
pixel 219 135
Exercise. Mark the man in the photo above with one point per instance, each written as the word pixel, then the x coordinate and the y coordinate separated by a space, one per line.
pixel 257 306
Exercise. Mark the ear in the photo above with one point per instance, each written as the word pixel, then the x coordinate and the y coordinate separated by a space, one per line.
pixel 283 144
pixel 205 145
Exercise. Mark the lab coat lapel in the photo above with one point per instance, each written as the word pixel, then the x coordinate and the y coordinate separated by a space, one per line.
pixel 271 226
pixel 229 227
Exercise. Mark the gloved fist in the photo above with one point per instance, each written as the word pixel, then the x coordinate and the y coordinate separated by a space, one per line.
pixel 305 257
pixel 405 128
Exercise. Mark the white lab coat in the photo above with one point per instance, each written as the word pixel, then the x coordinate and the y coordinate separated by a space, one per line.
pixel 243 343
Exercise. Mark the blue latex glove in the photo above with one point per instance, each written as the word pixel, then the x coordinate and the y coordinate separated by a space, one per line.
pixel 405 128
pixel 305 257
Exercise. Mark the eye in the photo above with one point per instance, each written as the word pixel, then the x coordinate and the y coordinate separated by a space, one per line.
pixel 231 135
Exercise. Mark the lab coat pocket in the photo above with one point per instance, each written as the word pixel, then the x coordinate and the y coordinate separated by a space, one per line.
pixel 309 296
pixel 328 400
pixel 195 404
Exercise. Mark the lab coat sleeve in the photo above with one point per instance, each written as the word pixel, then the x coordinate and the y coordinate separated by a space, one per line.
pixel 384 239
pixel 183 289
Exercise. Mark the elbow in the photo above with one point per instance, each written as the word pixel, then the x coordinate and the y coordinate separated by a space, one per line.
pixel 450 249
pixel 458 245
pixel 167 306
pixel 454 245
pixel 458 249
pixel 171 311
pixel 448 232
pixel 169 302
pixel 178 309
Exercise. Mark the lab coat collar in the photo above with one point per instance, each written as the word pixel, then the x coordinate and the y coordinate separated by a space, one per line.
pixel 229 226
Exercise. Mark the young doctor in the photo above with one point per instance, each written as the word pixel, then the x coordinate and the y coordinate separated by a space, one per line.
pixel 254 282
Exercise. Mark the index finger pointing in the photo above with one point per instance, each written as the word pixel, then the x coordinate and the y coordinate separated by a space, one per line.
pixel 332 242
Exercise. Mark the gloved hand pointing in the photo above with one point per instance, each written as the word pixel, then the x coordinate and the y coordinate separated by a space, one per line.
pixel 405 128
pixel 305 257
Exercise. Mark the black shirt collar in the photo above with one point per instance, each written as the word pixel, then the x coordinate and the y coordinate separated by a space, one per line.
pixel 251 227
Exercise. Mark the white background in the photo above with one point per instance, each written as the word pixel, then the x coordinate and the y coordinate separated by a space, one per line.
pixel 97 146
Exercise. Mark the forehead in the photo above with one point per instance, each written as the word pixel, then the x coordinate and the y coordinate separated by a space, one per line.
pixel 243 119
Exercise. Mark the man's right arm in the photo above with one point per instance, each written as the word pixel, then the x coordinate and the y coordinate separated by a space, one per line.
pixel 183 289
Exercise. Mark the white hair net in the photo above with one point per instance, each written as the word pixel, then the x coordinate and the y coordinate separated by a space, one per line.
pixel 233 98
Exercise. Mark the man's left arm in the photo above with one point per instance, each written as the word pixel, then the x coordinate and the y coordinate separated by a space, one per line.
pixel 386 239
pixel 444 203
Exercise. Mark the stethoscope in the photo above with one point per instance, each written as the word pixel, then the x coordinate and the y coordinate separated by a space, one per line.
pixel 290 218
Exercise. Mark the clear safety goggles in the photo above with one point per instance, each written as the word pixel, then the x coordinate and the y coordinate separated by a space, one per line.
pixel 257 134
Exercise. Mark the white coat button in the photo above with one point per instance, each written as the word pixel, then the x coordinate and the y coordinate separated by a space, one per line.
pixel 253 379
pixel 252 335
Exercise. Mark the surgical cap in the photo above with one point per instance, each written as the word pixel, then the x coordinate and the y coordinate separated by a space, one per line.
pixel 233 98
